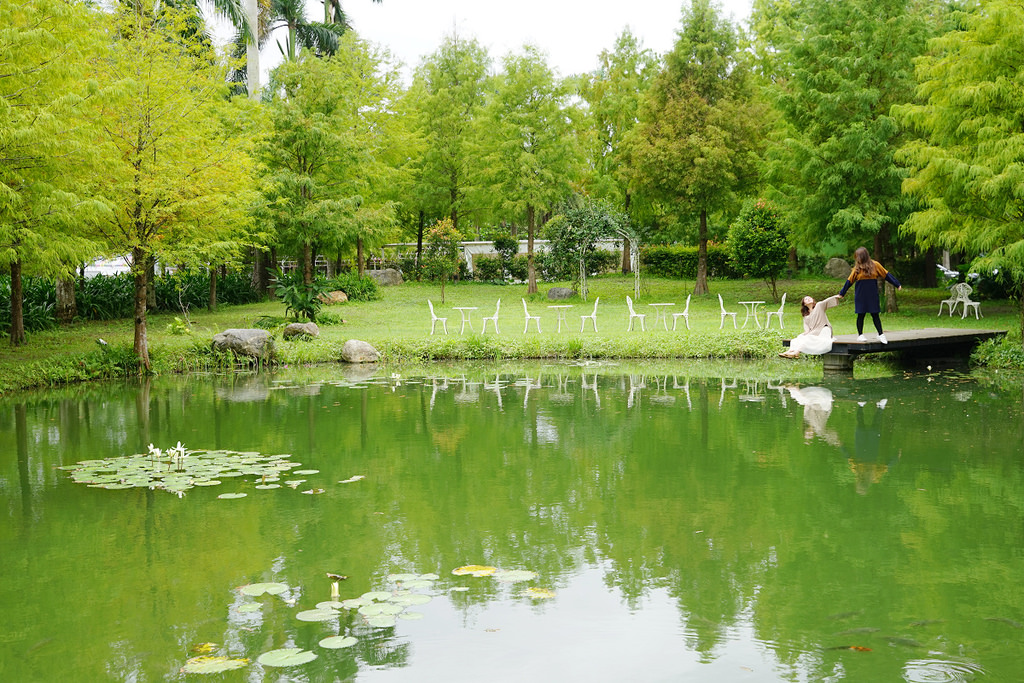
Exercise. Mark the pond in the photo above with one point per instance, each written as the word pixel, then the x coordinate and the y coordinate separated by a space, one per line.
pixel 651 522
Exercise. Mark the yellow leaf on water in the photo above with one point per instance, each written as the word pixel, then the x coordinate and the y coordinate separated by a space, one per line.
pixel 474 570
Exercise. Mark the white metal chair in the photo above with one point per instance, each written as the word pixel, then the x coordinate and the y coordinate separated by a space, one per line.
pixel 952 301
pixel 721 305
pixel 592 317
pixel 493 319
pixel 634 314
pixel 685 315
pixel 965 301
pixel 434 319
pixel 535 318
pixel 768 315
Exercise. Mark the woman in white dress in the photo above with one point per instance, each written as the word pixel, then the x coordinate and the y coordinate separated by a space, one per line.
pixel 817 336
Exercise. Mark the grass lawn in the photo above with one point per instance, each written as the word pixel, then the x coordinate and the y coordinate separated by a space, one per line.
pixel 398 324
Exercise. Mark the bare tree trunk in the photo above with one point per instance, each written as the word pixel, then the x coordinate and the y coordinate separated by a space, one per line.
pixel 151 283
pixel 793 265
pixel 701 286
pixel 531 269
pixel 360 268
pixel 140 268
pixel 307 263
pixel 66 307
pixel 419 247
pixel 626 260
pixel 211 303
pixel 17 305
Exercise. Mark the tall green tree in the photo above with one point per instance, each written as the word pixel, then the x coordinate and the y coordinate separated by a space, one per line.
pixel 533 158
pixel 448 93
pixel 44 148
pixel 846 64
pixel 700 129
pixel 967 167
pixel 613 93
pixel 325 160
pixel 177 173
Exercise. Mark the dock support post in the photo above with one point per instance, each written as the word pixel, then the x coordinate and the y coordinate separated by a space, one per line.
pixel 838 363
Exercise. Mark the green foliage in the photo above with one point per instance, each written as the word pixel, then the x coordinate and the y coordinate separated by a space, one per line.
pixel 357 288
pixel 442 253
pixel 681 262
pixel 507 247
pixel 39 299
pixel 105 297
pixel 759 242
pixel 489 269
pixel 301 299
pixel 573 234
pixel 179 327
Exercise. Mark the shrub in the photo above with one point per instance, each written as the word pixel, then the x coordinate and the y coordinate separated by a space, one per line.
pixel 357 288
pixel 39 299
pixel 681 262
pixel 299 298
pixel 759 242
pixel 105 297
pixel 489 269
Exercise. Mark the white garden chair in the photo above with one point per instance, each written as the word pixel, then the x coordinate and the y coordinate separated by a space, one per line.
pixel 434 319
pixel 493 319
pixel 535 318
pixel 721 305
pixel 592 317
pixel 685 315
pixel 965 301
pixel 778 313
pixel 633 314
pixel 952 301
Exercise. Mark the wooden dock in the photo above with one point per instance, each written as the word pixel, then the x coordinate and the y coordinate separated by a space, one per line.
pixel 933 345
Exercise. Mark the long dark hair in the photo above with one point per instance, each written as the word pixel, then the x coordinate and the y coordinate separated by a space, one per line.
pixel 805 310
pixel 863 265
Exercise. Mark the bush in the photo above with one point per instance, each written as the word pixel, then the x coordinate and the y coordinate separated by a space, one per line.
pixel 489 269
pixel 681 262
pixel 357 288
pixel 299 298
pixel 39 301
pixel 105 297
pixel 759 242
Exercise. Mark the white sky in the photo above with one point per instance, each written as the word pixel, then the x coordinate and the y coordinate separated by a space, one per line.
pixel 571 32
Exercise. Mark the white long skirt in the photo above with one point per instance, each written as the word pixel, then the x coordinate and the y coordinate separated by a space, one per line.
pixel 813 344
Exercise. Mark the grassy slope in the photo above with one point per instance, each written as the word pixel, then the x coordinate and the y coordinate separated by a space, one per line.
pixel 399 325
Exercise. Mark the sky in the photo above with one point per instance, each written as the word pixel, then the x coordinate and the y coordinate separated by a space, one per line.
pixel 571 32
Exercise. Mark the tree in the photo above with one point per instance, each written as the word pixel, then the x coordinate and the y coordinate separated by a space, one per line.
pixel 759 242
pixel 847 64
pixel 177 173
pixel 325 157
pixel 441 262
pixel 700 128
pixel 613 93
pixel 533 158
pixel 966 169
pixel 449 95
pixel 43 146
pixel 573 235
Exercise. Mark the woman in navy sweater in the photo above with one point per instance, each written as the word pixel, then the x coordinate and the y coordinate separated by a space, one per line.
pixel 866 273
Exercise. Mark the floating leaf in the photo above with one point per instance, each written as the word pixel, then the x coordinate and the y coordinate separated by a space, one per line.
pixel 383 621
pixel 460 589
pixel 377 595
pixel 204 648
pixel 289 656
pixel 329 604
pixel 317 615
pixel 338 642
pixel 514 575
pixel 429 577
pixel 411 616
pixel 314 492
pixel 352 479
pixel 212 665
pixel 418 583
pixel 411 599
pixel 539 593
pixel 267 486
pixel 228 496
pixel 372 610
pixel 248 607
pixel 355 603
pixel 257 589
pixel 305 472
pixel 402 577
pixel 474 570
pixel 207 482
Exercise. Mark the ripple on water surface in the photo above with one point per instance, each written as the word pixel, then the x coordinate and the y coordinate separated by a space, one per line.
pixel 940 671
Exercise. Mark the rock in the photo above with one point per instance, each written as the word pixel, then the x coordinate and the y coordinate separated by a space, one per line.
pixel 837 268
pixel 355 351
pixel 245 342
pixel 335 297
pixel 559 293
pixel 293 330
pixel 386 277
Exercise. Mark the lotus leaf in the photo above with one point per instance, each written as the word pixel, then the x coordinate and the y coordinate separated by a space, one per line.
pixel 377 595
pixel 429 577
pixel 411 599
pixel 329 604
pixel 257 589
pixel 289 656
pixel 305 472
pixel 338 642
pixel 212 665
pixel 474 570
pixel 514 575
pixel 418 583
pixel 355 603
pixel 352 479
pixel 207 482
pixel 317 614
pixel 372 610
pixel 383 621
pixel 247 607
pixel 232 495
pixel 267 486
pixel 539 593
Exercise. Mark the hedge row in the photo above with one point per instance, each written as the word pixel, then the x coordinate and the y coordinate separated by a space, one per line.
pixel 681 262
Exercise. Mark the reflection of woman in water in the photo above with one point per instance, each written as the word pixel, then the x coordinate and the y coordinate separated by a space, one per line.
pixel 867 462
pixel 817 335
pixel 817 403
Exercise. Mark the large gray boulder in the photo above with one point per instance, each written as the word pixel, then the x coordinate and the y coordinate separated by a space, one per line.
pixel 386 277
pixel 250 343
pixel 560 293
pixel 301 330
pixel 355 351
pixel 837 268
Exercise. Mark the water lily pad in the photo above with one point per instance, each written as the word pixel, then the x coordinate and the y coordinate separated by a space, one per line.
pixel 305 472
pixel 248 607
pixel 228 496
pixel 411 616
pixel 289 656
pixel 377 595
pixel 267 486
pixel 474 570
pixel 206 482
pixel 382 621
pixel 372 610
pixel 257 589
pixel 355 603
pixel 418 583
pixel 338 642
pixel 212 665
pixel 317 615
pixel 403 577
pixel 539 593
pixel 429 577
pixel 514 575
pixel 352 479
pixel 313 492
pixel 460 589
pixel 329 604
pixel 411 599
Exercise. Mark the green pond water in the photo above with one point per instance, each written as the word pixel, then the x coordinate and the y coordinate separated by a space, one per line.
pixel 645 523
